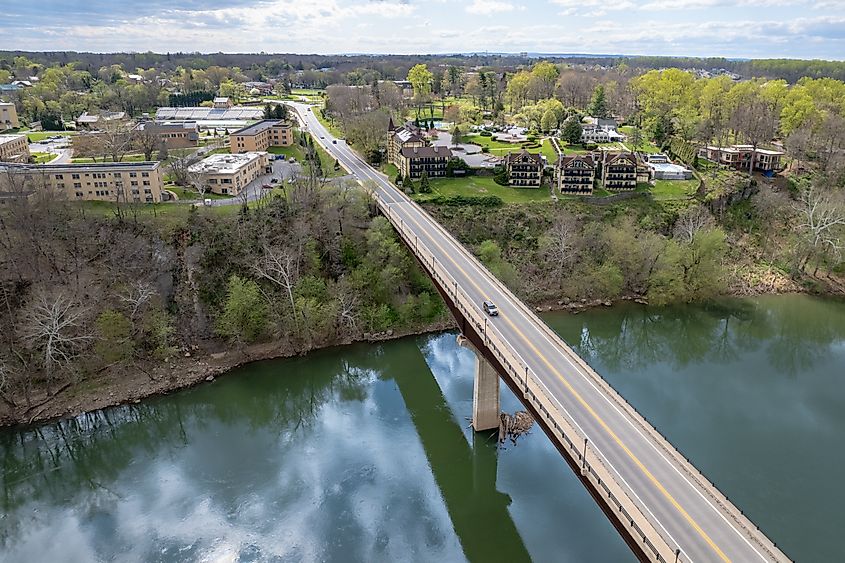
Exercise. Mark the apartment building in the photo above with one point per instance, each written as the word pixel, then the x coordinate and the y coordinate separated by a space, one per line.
pixel 741 156
pixel 138 182
pixel 525 170
pixel 229 174
pixel 618 171
pixel 261 136
pixel 405 136
pixel 413 161
pixel 174 134
pixel 14 148
pixel 576 174
pixel 221 102
pixel 8 116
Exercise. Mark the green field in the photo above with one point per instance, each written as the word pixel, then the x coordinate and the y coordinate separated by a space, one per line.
pixel 126 158
pixel 42 157
pixel 483 185
pixel 185 194
pixel 298 153
pixel 41 135
pixel 674 189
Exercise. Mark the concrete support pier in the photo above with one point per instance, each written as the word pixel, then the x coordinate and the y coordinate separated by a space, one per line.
pixel 485 391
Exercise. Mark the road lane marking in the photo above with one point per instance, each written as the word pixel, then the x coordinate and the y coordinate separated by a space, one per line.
pixel 366 170
pixel 589 409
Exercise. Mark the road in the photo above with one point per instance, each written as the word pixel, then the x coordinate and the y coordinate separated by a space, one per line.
pixel 684 510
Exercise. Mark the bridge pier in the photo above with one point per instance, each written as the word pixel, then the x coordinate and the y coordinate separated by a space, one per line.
pixel 485 391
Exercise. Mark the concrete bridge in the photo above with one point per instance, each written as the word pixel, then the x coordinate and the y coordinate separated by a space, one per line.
pixel 663 507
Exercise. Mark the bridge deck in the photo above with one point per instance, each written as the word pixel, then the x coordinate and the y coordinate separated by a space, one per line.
pixel 667 506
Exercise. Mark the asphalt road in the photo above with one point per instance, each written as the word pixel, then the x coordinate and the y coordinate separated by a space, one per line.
pixel 680 509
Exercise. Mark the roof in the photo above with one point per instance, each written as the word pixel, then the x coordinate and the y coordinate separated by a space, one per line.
pixel 524 156
pixel 221 99
pixel 569 159
pixel 9 138
pixel 263 125
pixel 611 157
pixel 426 152
pixel 225 163
pixel 208 114
pixel 86 117
pixel 51 168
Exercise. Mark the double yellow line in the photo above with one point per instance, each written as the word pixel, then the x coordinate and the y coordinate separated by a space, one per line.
pixel 586 405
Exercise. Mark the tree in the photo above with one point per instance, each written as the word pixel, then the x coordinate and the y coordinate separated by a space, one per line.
pixel 821 221
pixel 146 140
pixel 425 186
pixel 115 337
pixel 692 220
pixel 268 111
pixel 54 328
pixel 281 265
pixel 244 313
pixel 457 136
pixel 598 103
pixel 549 121
pixel 572 130
pixel 420 78
pixel 558 244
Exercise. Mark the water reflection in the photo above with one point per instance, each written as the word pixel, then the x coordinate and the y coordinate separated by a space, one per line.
pixel 364 453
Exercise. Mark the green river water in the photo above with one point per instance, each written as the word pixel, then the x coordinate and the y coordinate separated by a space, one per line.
pixel 363 453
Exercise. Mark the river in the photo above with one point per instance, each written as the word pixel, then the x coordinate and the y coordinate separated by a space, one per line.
pixel 363 453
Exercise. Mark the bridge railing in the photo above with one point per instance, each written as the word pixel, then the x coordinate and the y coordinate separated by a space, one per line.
pixel 594 465
pixel 750 530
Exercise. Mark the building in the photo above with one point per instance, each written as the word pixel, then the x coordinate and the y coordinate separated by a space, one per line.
pixel 661 168
pixel 91 120
pixel 229 174
pixel 576 174
pixel 593 134
pixel 525 170
pixel 618 171
pixel 257 87
pixel 413 161
pixel 406 136
pixel 139 182
pixel 740 157
pixel 14 148
pixel 174 134
pixel 201 114
pixel 8 116
pixel 261 136
pixel 221 102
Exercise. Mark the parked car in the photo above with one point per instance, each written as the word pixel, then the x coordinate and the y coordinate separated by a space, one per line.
pixel 334 141
pixel 267 186
pixel 274 180
pixel 490 308
pixel 292 160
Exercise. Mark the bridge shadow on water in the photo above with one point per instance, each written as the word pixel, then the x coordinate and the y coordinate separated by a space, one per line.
pixel 465 473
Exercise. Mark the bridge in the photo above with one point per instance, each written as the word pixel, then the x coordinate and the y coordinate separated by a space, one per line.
pixel 663 507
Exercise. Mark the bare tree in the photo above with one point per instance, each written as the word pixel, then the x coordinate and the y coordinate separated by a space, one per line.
pixel 559 242
pixel 54 327
pixel 348 306
pixel 691 221
pixel 138 294
pixel 280 265
pixel 822 220
pixel 146 139
pixel 116 138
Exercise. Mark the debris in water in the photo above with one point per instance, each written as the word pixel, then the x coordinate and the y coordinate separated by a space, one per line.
pixel 515 425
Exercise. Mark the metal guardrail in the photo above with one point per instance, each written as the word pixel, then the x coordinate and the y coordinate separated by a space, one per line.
pixel 535 392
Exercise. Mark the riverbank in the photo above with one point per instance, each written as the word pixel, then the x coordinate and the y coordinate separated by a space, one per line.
pixel 133 383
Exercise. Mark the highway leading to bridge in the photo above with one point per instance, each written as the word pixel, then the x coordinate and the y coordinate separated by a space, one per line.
pixel 668 509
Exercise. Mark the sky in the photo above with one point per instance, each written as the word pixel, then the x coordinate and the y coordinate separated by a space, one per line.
pixel 729 28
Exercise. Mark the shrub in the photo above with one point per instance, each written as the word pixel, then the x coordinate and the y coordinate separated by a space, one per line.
pixel 463 200
pixel 591 147
pixel 485 149
pixel 486 134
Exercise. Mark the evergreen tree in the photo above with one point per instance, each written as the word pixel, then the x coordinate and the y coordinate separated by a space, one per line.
pixel 425 186
pixel 598 103
pixel 268 111
pixel 572 129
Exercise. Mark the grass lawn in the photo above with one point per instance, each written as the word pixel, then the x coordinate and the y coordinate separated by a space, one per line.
pixel 674 189
pixel 389 170
pixel 291 151
pixel 41 135
pixel 328 123
pixel 298 153
pixel 126 158
pixel 483 185
pixel 42 157
pixel 190 195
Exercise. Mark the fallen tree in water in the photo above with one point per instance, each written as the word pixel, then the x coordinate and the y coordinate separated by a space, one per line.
pixel 513 426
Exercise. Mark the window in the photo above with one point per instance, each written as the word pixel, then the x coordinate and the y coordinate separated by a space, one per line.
pixel 133 174
pixel 77 185
pixel 145 174
pixel 146 182
pixel 59 176
pixel 134 182
pixel 75 177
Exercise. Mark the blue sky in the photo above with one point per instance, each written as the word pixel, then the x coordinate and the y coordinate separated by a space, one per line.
pixel 730 28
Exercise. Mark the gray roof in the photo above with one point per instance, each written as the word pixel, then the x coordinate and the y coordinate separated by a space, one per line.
pixel 426 152
pixel 257 128
pixel 209 114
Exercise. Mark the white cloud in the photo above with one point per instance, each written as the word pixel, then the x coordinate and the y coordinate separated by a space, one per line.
pixel 488 7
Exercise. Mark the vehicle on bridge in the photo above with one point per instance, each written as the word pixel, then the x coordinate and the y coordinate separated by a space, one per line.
pixel 490 308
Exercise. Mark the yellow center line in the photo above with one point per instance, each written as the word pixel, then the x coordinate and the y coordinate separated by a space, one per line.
pixel 589 409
